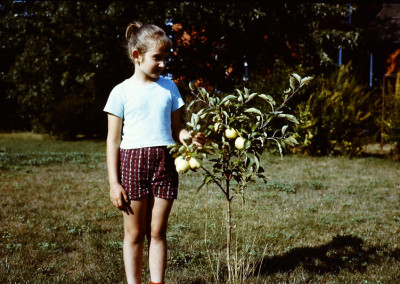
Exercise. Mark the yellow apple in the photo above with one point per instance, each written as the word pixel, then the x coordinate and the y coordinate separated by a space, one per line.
pixel 179 158
pixel 239 143
pixel 194 163
pixel 182 166
pixel 231 133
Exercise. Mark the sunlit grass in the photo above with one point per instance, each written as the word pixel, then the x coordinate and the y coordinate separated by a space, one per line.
pixel 317 220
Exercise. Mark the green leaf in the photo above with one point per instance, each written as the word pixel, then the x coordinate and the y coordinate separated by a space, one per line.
pixel 241 97
pixel 305 81
pixel 246 92
pixel 171 146
pixel 203 92
pixel 284 129
pixel 247 144
pixel 195 119
pixel 292 82
pixel 254 110
pixel 291 141
pixel 287 91
pixel 289 117
pixel 226 114
pixel 280 148
pixel 253 95
pixel 192 85
pixel 298 78
pixel 257 161
pixel 229 97
pixel 268 98
pixel 182 149
pixel 251 162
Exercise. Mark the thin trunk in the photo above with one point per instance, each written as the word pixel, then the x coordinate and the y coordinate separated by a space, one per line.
pixel 228 233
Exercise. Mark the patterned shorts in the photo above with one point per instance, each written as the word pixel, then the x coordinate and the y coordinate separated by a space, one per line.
pixel 148 171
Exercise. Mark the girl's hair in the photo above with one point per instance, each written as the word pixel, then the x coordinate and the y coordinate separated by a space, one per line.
pixel 145 37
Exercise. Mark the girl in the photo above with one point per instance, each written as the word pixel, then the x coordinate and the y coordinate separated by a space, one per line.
pixel 143 118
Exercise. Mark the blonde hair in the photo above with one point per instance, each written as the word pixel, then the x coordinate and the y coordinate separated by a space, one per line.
pixel 145 37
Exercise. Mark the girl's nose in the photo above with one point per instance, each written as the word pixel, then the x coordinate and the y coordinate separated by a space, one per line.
pixel 162 64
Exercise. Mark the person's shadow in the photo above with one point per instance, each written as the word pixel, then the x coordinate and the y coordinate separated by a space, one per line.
pixel 343 252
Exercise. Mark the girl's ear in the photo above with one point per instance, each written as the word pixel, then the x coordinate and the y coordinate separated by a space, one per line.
pixel 135 56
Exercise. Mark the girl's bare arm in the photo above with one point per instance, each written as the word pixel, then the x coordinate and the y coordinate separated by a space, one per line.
pixel 118 195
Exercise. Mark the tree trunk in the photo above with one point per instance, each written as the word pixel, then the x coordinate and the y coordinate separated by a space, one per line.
pixel 228 232
pixel 228 241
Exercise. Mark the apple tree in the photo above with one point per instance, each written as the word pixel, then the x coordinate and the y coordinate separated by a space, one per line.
pixel 239 128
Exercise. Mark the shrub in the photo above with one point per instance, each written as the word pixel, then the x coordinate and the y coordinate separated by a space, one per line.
pixel 391 116
pixel 338 116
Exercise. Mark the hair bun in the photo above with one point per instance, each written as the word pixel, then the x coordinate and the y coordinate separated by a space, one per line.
pixel 132 29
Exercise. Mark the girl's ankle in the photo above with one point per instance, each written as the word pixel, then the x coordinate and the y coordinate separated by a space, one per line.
pixel 156 282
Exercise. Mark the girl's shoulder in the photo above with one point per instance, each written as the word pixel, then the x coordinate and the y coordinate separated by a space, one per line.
pixel 121 86
pixel 167 83
pixel 119 91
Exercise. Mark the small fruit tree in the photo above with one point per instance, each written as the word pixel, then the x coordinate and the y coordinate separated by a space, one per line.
pixel 239 128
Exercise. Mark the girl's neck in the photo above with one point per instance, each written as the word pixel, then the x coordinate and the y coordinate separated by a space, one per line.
pixel 141 79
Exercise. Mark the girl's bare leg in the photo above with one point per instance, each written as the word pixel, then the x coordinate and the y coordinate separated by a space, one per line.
pixel 160 209
pixel 134 234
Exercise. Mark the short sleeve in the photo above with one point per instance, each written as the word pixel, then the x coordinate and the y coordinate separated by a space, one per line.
pixel 177 101
pixel 114 103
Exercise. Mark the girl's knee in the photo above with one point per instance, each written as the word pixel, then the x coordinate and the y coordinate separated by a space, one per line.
pixel 159 235
pixel 134 237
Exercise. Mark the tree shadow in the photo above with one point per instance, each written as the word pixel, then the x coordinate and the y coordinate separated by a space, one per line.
pixel 343 252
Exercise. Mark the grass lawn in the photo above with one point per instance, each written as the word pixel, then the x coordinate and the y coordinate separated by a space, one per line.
pixel 317 220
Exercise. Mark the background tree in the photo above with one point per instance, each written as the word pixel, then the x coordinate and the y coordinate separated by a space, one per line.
pixel 64 57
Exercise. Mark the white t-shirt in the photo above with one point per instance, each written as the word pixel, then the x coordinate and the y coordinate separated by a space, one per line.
pixel 146 112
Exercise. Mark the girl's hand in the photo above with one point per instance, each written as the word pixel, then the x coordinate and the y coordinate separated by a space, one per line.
pixel 118 196
pixel 200 139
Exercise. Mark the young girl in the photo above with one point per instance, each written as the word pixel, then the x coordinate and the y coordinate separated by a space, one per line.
pixel 143 118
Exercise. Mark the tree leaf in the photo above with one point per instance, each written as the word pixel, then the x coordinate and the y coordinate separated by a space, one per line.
pixel 257 161
pixel 298 78
pixel 182 149
pixel 305 80
pixel 191 104
pixel 203 92
pixel 269 99
pixel 254 110
pixel 292 82
pixel 252 96
pixel 284 129
pixel 229 97
pixel 291 141
pixel 240 97
pixel 289 117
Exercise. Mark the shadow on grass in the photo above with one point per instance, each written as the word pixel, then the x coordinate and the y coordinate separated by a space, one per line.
pixel 343 252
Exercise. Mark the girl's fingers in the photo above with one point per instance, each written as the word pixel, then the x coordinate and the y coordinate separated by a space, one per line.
pixel 125 197
pixel 120 201
pixel 199 140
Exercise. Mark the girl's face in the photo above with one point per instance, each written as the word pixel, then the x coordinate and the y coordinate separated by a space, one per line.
pixel 152 63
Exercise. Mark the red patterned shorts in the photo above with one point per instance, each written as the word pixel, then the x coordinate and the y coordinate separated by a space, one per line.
pixel 148 170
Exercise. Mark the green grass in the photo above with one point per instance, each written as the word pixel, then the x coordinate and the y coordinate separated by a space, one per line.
pixel 317 220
